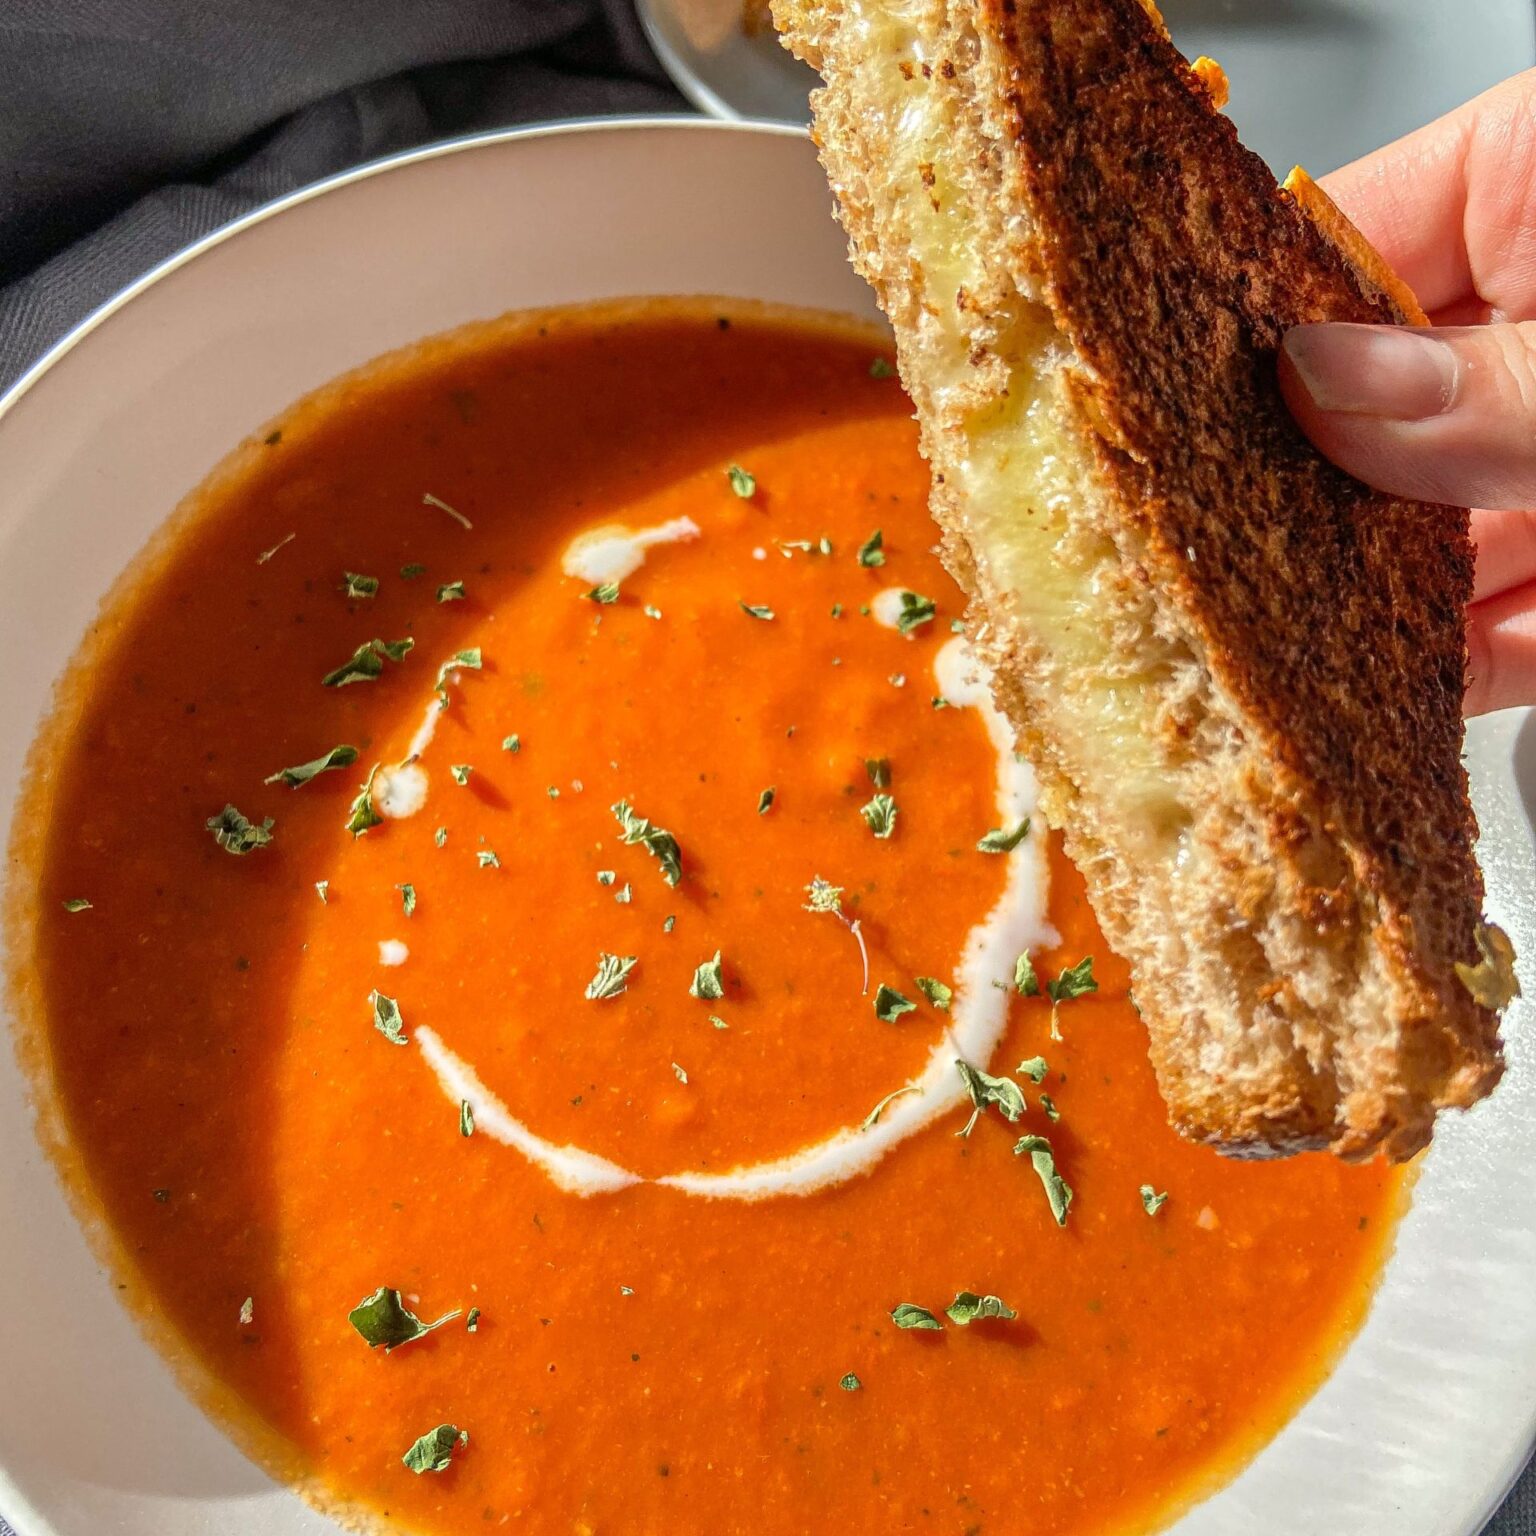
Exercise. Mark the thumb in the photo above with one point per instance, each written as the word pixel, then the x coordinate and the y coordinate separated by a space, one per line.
pixel 1443 415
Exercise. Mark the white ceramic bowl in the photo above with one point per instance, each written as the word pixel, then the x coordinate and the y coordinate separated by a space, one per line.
pixel 1431 1412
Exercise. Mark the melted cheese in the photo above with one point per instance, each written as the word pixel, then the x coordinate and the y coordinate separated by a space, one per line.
pixel 1018 471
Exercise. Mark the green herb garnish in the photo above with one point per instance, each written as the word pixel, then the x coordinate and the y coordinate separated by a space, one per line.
pixel 1000 840
pixel 469 659
pixel 76 904
pixel 850 1383
pixel 873 1117
pixel 1034 1069
pixel 1151 1201
pixel 337 757
pixel 826 897
pixel 879 771
pixel 411 572
pixel 880 813
pixel 361 814
pixel 1057 1190
pixel 486 858
pixel 881 368
pixel 985 1090
pixel 742 483
pixel 434 1450
pixel 605 593
pixel 1076 981
pixel 968 1307
pixel 247 1311
pixel 1025 982
pixel 936 991
pixel 707 983
pixel 430 500
pixel 1048 1104
pixel 765 800
pixel 755 610
pixel 611 973
pixel 387 1019
pixel 267 554
pixel 357 586
pixel 322 887
pixel 235 833
pixel 460 772
pixel 407 898
pixel 916 610
pixel 872 550
pixel 466 1118
pixel 440 836
pixel 512 743
pixel 658 842
pixel 907 1315
pixel 383 1318
pixel 890 1004
pixel 451 592
pixel 367 662
pixel 472 1320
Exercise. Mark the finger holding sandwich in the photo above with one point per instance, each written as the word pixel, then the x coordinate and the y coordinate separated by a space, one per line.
pixel 1447 414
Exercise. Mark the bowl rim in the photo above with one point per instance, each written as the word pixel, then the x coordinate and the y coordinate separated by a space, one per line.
pixel 688 121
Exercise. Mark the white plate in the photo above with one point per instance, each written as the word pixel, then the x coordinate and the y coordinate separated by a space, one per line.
pixel 1314 82
pixel 1431 1412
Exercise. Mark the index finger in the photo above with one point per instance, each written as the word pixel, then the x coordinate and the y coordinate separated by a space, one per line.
pixel 1452 206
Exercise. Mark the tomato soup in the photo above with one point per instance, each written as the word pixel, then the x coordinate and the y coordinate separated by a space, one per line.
pixel 538 948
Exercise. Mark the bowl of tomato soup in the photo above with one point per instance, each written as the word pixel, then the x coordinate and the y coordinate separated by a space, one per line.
pixel 541 996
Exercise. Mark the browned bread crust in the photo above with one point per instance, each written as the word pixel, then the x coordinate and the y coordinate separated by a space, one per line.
pixel 1305 635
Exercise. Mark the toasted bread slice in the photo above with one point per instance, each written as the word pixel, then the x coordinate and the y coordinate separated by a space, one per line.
pixel 1238 671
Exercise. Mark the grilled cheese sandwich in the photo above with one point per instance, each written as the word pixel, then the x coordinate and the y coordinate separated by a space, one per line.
pixel 1239 673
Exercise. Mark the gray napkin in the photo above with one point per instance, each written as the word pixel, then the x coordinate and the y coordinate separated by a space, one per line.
pixel 128 130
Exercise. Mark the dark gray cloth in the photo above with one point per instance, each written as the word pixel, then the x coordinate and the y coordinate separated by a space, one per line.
pixel 130 127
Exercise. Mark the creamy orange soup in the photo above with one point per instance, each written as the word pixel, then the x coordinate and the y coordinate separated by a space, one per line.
pixel 541 997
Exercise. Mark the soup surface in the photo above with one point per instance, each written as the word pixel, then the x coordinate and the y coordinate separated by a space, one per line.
pixel 647 831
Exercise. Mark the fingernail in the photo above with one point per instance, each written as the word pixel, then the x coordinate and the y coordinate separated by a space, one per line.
pixel 1374 370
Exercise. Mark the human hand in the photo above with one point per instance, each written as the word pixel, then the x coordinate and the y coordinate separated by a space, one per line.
pixel 1449 414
